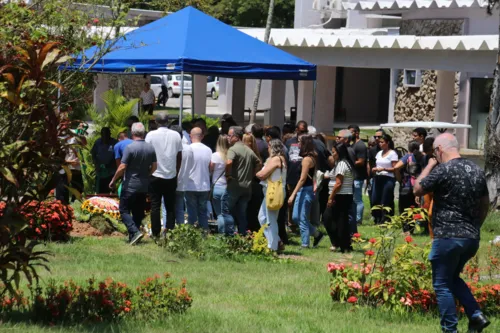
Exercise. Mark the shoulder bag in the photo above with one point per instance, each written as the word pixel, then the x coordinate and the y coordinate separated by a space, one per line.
pixel 274 193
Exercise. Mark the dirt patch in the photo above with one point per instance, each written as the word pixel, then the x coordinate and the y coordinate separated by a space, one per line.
pixel 85 229
pixel 293 257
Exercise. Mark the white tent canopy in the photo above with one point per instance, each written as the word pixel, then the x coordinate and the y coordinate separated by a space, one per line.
pixel 439 125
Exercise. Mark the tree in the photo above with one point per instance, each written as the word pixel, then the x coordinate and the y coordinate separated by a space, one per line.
pixel 253 13
pixel 267 33
pixel 492 141
pixel 36 96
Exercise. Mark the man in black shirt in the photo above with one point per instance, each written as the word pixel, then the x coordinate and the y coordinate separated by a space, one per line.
pixel 372 161
pixel 360 175
pixel 461 203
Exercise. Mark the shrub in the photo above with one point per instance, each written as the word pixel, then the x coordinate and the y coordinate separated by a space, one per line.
pixel 399 276
pixel 157 298
pixel 99 301
pixel 47 220
pixel 184 240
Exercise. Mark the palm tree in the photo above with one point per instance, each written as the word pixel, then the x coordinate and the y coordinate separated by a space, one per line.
pixel 267 33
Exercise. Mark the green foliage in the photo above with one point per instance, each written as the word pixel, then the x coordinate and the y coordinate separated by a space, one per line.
pixel 184 240
pixel 80 215
pixel 253 13
pixel 95 302
pixel 210 121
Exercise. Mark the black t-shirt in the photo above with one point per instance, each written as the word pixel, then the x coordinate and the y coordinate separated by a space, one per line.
pixel 294 159
pixel 360 151
pixel 458 186
pixel 372 156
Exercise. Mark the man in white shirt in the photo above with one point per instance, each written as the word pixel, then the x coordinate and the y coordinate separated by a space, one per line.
pixel 164 90
pixel 168 149
pixel 197 185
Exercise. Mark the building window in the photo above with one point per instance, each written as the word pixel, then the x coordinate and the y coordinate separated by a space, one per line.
pixel 412 78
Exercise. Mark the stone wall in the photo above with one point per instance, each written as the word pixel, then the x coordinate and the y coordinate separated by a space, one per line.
pixel 132 85
pixel 418 104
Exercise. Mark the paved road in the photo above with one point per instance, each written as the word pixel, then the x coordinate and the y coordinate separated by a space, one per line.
pixel 212 105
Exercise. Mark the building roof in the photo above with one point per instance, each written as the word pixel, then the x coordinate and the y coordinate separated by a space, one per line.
pixel 402 5
pixel 291 37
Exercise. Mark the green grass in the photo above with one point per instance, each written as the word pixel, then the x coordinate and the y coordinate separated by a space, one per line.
pixel 251 296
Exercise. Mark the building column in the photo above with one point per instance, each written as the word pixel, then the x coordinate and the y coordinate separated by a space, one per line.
pixel 304 101
pixel 199 94
pixel 232 98
pixel 325 98
pixel 393 85
pixel 445 96
pixel 102 85
pixel 276 115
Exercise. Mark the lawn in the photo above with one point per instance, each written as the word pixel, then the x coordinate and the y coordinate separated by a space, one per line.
pixel 252 296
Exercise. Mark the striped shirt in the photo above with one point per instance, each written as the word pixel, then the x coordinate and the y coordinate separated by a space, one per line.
pixel 342 168
pixel 148 97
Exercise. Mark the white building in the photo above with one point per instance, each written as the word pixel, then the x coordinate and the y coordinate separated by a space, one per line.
pixel 446 48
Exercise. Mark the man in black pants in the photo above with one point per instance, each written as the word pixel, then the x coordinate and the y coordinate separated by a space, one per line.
pixel 168 147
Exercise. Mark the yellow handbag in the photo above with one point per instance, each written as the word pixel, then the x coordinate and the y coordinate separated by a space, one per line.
pixel 274 193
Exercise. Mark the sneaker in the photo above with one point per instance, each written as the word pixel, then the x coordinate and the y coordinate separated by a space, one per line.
pixel 318 239
pixel 136 238
pixel 478 323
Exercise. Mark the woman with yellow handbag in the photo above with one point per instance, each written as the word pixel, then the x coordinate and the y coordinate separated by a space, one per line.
pixel 273 178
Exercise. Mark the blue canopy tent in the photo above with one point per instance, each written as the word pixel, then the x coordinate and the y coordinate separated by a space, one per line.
pixel 190 41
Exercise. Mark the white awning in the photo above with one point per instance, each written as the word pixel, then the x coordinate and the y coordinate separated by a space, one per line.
pixel 427 124
pixel 316 38
pixel 401 5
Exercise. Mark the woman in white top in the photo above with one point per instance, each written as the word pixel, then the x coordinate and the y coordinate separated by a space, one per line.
pixel 336 215
pixel 384 180
pixel 217 168
pixel 274 169
pixel 148 99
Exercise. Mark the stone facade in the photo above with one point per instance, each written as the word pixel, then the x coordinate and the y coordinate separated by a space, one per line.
pixel 132 85
pixel 418 104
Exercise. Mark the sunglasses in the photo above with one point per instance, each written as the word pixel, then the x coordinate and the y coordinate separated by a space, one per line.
pixel 377 136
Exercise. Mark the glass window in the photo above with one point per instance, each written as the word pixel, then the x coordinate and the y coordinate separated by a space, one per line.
pixel 155 80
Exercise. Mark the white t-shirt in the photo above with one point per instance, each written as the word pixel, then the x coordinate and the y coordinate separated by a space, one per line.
pixel 386 162
pixel 183 178
pixel 167 144
pixel 199 168
pixel 219 169
pixel 342 168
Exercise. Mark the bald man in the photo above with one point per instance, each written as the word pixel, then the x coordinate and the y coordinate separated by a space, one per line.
pixel 197 184
pixel 460 207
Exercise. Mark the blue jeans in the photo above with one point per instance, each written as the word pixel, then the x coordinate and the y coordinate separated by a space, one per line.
pixel 132 210
pixel 270 217
pixel 196 203
pixel 301 213
pixel 219 190
pixel 234 203
pixel 179 209
pixel 448 257
pixel 356 214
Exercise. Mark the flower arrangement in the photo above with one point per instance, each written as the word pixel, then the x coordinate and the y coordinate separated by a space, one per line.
pixel 103 301
pixel 101 205
pixel 47 220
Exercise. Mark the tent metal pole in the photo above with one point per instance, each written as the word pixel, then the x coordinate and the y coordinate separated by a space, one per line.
pixel 182 99
pixel 313 110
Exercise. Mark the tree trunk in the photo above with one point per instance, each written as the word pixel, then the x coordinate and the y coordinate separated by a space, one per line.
pixel 492 144
pixel 267 33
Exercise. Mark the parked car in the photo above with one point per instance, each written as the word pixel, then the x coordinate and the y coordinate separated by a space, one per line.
pixel 156 85
pixel 213 86
pixel 173 85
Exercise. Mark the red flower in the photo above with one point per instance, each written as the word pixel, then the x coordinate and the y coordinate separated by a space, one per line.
pixel 372 240
pixel 352 300
pixel 356 235
pixel 95 21
pixel 369 253
pixel 408 239
pixel 417 217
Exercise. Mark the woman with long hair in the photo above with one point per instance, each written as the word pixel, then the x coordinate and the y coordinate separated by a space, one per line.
pixel 226 122
pixel 336 215
pixel 274 170
pixel 218 168
pixel 410 167
pixel 256 198
pixel 303 194
pixel 384 180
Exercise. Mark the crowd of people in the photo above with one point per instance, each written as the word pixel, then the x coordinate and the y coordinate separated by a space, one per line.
pixel 286 179
pixel 244 178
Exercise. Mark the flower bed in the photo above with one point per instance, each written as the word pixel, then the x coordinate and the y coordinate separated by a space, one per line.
pixel 398 277
pixel 108 300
